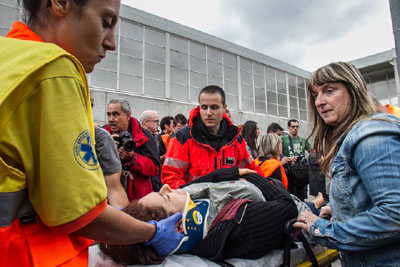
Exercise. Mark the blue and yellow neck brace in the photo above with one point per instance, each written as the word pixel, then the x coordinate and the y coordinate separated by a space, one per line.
pixel 194 223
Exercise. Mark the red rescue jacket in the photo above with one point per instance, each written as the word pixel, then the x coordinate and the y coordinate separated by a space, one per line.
pixel 190 155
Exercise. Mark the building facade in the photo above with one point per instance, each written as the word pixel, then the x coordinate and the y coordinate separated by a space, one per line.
pixel 162 65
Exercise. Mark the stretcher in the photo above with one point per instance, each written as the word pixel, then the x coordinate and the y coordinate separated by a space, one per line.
pixel 274 258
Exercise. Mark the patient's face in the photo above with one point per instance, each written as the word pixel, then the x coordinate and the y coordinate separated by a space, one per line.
pixel 170 200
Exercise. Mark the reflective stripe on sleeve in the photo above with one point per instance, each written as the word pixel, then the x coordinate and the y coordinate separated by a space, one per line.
pixel 176 163
pixel 244 162
pixel 14 205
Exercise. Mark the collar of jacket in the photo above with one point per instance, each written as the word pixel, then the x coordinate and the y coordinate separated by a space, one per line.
pixel 200 133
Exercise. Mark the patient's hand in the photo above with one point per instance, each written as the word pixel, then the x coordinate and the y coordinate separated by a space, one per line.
pixel 245 171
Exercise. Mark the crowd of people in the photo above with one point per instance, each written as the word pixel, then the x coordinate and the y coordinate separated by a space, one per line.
pixel 146 188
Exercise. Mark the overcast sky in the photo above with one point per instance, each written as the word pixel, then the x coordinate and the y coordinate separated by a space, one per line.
pixel 305 33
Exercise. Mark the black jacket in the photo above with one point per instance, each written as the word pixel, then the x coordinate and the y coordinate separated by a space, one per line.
pixel 256 229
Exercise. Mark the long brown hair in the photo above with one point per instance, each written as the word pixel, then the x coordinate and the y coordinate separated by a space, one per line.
pixel 136 253
pixel 326 136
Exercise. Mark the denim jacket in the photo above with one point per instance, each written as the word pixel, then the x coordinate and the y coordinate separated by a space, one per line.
pixel 365 195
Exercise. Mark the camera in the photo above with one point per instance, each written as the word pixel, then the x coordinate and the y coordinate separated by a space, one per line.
pixel 125 140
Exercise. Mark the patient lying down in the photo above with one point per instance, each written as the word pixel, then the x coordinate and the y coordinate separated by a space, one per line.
pixel 223 217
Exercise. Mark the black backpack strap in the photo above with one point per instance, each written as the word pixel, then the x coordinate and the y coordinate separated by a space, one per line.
pixel 289 234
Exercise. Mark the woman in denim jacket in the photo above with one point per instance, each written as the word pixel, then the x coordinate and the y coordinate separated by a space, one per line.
pixel 360 152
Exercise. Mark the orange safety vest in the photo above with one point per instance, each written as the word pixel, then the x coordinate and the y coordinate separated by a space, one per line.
pixel 24 239
pixel 393 110
pixel 269 166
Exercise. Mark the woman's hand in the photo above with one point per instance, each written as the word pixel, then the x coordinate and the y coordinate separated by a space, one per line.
pixel 326 211
pixel 305 220
pixel 245 171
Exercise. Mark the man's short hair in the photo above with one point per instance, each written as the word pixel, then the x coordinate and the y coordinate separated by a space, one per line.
pixel 290 122
pixel 146 115
pixel 125 107
pixel 213 89
pixel 166 121
pixel 180 118
pixel 274 127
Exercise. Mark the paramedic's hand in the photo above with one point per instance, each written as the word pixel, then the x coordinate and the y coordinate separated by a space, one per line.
pixel 166 238
pixel 245 171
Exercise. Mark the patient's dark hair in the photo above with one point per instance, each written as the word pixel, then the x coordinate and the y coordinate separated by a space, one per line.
pixel 136 253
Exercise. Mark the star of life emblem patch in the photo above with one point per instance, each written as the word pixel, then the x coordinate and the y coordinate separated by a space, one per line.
pixel 83 151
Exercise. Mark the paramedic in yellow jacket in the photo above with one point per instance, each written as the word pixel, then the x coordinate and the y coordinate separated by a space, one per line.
pixel 52 191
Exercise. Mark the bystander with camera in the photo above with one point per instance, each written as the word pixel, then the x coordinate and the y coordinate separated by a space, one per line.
pixel 137 149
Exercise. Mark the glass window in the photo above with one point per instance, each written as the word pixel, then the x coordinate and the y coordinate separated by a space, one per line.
pixel 131 47
pixel 271 85
pixel 130 65
pixel 229 59
pixel 270 73
pixel 260 107
pixel 130 83
pixel 302 93
pixel 131 30
pixel 214 54
pixel 154 70
pixel 179 92
pixel 281 87
pixel 294 113
pixel 178 44
pixel 247 91
pixel 292 90
pixel 282 100
pixel 8 15
pixel 104 79
pixel 259 94
pixel 283 112
pixel 154 53
pixel 231 101
pixel 246 77
pixel 197 64
pixel 272 109
pixel 245 64
pixel 230 73
pixel 179 76
pixel 291 79
pixel 293 102
pixel 280 76
pixel 109 62
pixel 214 69
pixel 303 115
pixel 154 37
pixel 194 94
pixel 271 97
pixel 302 103
pixel 198 50
pixel 231 87
pixel 248 104
pixel 197 79
pixel 215 81
pixel 153 87
pixel 301 83
pixel 258 81
pixel 258 69
pixel 179 60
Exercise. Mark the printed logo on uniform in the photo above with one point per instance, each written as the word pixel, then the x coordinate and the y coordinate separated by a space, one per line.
pixel 83 151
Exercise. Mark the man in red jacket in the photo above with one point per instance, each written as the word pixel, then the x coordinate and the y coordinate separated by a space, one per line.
pixel 209 142
pixel 141 163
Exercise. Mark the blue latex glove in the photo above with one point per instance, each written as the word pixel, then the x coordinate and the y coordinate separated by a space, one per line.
pixel 166 238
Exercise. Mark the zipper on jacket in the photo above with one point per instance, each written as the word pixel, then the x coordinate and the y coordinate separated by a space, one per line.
pixel 215 163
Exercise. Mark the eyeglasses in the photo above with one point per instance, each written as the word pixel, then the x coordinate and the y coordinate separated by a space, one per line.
pixel 156 121
pixel 294 126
